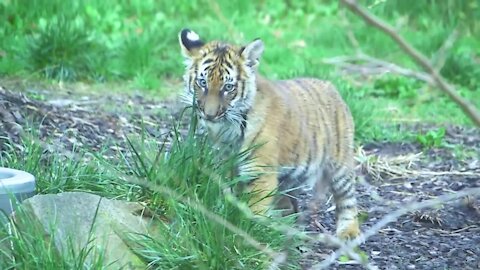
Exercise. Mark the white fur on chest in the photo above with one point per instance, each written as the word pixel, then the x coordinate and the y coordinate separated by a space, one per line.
pixel 222 132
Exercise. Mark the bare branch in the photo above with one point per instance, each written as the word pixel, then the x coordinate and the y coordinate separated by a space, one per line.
pixel 419 58
pixel 393 217
pixel 374 66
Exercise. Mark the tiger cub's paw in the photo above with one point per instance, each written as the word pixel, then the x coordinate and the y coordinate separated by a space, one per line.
pixel 348 230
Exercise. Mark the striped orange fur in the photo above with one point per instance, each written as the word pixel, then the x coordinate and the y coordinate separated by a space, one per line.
pixel 304 127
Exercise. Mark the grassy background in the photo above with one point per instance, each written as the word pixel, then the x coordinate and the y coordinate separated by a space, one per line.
pixel 134 43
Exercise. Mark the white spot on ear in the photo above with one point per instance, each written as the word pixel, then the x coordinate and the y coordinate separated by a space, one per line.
pixel 193 36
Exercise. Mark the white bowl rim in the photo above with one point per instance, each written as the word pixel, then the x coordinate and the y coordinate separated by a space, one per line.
pixel 20 182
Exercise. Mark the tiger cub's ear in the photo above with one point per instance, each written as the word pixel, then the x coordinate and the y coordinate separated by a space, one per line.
pixel 190 42
pixel 252 52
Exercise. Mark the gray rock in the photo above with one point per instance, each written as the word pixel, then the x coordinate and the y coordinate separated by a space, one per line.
pixel 72 217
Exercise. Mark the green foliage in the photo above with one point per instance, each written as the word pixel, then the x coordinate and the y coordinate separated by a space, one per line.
pixel 448 12
pixel 62 49
pixel 190 239
pixel 363 114
pixel 432 138
pixel 136 41
pixel 56 173
pixel 395 87
pixel 363 255
pixel 362 216
pixel 187 237
pixel 463 68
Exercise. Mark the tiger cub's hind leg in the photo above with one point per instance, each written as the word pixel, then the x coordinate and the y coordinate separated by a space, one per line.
pixel 342 185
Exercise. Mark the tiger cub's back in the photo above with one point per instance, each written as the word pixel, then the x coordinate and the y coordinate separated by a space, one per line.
pixel 310 119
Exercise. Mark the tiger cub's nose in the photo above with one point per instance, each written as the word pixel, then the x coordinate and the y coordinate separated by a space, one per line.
pixel 210 117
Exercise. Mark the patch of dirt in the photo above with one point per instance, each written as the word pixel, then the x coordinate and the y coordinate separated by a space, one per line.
pixel 447 237
pixel 65 121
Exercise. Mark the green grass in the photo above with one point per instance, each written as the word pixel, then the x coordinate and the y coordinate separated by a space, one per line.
pixel 191 239
pixel 134 44
pixel 57 173
pixel 186 237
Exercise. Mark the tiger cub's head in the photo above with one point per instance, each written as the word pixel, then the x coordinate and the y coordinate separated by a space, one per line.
pixel 220 75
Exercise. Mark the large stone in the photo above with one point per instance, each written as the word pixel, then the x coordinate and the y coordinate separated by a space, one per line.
pixel 75 217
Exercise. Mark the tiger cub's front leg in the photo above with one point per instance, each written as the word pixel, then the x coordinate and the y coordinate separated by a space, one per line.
pixel 262 193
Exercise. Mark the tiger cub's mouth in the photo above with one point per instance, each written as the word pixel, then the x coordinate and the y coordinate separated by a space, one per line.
pixel 212 118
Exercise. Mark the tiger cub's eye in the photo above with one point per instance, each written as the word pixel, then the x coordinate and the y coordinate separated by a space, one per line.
pixel 228 87
pixel 202 83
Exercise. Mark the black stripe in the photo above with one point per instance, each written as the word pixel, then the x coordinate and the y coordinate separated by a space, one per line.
pixel 343 191
pixel 234 96
pixel 242 92
pixel 283 177
pixel 314 148
pixel 287 181
pixel 339 208
pixel 295 150
pixel 226 71
pixel 243 125
pixel 309 158
pixel 228 64
pixel 208 61
pixel 239 75
pixel 337 131
pixel 302 177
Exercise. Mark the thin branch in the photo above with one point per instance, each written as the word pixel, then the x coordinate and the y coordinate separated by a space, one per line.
pixel 393 217
pixel 419 58
pixel 376 66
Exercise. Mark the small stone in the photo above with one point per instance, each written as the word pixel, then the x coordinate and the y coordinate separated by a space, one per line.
pixel 411 266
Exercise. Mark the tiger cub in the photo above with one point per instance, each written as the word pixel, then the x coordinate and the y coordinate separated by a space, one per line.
pixel 304 127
